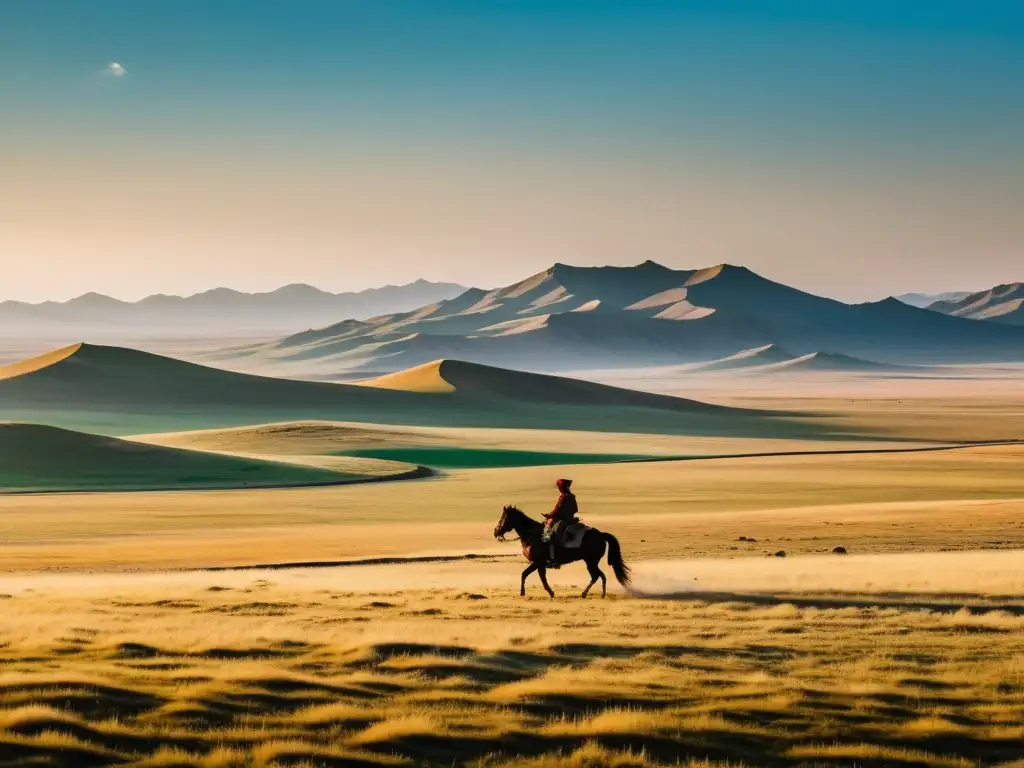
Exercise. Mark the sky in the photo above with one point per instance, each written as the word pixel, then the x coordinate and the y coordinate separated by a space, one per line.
pixel 853 148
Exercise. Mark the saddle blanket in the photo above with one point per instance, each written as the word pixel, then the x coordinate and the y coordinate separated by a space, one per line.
pixel 572 536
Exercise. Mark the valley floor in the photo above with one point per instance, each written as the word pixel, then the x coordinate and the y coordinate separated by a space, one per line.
pixel 962 499
pixel 381 624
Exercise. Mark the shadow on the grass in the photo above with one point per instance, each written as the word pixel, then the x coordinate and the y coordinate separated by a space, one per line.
pixel 936 602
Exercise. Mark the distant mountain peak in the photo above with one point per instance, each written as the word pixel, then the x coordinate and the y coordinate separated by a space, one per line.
pixel 93 298
pixel 299 289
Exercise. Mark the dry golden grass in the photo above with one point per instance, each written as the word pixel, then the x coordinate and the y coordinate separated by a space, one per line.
pixel 308 438
pixel 869 503
pixel 263 669
pixel 966 403
pixel 296 438
pixel 908 652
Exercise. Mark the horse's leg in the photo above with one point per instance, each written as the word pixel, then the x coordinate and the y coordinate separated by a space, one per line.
pixel 597 566
pixel 595 574
pixel 522 585
pixel 543 573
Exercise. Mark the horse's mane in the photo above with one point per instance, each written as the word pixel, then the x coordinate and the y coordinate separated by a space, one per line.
pixel 516 510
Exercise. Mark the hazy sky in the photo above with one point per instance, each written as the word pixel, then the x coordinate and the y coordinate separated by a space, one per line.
pixel 851 147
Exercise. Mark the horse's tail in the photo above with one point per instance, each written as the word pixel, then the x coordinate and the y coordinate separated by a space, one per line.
pixel 615 560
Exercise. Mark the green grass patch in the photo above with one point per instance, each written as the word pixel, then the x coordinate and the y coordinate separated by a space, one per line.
pixel 448 457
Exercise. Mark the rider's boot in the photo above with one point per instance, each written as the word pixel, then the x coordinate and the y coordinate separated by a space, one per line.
pixel 552 563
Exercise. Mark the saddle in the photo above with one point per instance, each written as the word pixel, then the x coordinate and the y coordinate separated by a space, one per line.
pixel 571 536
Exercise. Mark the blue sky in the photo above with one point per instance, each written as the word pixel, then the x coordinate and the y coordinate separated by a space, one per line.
pixel 853 148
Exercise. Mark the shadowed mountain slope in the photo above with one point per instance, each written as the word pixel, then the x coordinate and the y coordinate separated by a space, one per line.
pixel 113 390
pixel 1002 304
pixel 575 318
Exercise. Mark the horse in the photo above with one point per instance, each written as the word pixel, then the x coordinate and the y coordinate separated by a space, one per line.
pixel 591 550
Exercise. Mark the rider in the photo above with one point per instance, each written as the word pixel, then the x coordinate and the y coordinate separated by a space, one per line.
pixel 565 511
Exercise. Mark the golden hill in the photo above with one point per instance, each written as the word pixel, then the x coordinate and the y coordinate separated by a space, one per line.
pixel 425 378
pixel 119 391
pixel 33 364
pixel 472 380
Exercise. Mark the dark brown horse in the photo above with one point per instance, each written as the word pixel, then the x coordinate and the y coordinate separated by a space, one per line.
pixel 591 550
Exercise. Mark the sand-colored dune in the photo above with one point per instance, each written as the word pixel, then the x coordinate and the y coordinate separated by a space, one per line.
pixel 424 378
pixel 38 363
pixel 483 381
pixel 37 458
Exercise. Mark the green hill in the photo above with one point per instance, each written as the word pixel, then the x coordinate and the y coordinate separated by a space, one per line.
pixel 36 458
pixel 118 391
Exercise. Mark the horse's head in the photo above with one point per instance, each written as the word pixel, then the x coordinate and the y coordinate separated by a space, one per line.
pixel 506 522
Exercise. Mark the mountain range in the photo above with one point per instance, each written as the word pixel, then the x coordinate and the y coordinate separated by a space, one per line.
pixel 572 318
pixel 218 312
pixel 1002 304
pixel 927 299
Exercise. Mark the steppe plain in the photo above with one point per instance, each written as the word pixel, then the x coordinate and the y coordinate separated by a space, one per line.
pixel 378 623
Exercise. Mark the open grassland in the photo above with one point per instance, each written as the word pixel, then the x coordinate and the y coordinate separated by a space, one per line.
pixel 317 668
pixel 907 652
pixel 969 498
pixel 484 447
pixel 964 404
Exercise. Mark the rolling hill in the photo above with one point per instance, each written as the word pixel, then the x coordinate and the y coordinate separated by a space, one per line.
pixel 488 384
pixel 828 362
pixel 118 391
pixel 36 458
pixel 219 312
pixel 403 449
pixel 581 318
pixel 291 438
pixel 1002 304
pixel 747 359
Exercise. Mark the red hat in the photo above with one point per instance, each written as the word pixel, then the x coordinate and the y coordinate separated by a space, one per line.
pixel 563 485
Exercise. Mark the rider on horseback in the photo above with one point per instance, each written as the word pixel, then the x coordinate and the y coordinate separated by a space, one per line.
pixel 565 511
